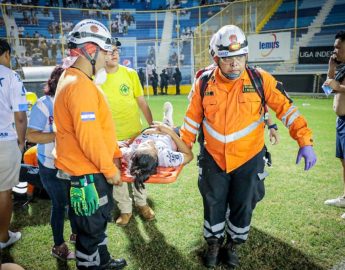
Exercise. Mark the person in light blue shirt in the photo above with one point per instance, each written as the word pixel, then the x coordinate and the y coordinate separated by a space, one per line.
pixel 40 131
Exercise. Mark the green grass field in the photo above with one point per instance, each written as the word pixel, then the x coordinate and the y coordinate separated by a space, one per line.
pixel 291 227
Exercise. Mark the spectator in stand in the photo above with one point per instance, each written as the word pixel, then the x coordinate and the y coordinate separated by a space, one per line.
pixel 20 35
pixel 178 78
pixel 176 4
pixel 181 58
pixel 164 82
pixel 12 37
pixel 117 44
pixel 28 59
pixel 44 49
pixel 154 81
pixel 46 10
pixel 34 19
pixel 114 27
pixel 22 60
pixel 36 38
pixel 53 48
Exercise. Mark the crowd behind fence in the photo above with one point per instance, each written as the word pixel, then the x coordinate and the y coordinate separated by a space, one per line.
pixel 38 35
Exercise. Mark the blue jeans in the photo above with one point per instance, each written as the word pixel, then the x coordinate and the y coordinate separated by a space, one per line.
pixel 57 190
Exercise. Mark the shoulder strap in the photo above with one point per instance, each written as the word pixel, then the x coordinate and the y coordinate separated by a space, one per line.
pixel 205 76
pixel 204 79
pixel 256 80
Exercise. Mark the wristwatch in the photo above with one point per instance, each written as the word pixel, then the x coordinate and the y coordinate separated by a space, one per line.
pixel 273 126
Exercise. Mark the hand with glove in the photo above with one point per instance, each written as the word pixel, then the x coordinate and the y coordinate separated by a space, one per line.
pixel 83 195
pixel 307 152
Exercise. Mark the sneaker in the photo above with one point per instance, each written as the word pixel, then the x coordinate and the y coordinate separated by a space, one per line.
pixel 73 238
pixel 62 253
pixel 123 219
pixel 13 237
pixel 168 114
pixel 338 202
pixel 343 216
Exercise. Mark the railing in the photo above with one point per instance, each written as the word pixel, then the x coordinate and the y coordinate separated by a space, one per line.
pixel 141 38
pixel 251 16
pixel 43 39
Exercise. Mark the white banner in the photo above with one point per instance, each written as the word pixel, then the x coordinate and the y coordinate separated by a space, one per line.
pixel 269 47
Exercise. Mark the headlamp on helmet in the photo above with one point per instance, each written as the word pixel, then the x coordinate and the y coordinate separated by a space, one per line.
pixel 229 41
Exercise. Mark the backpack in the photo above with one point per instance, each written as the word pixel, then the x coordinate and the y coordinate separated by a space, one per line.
pixel 256 80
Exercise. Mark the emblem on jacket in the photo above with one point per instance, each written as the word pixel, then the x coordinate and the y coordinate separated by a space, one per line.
pixel 248 89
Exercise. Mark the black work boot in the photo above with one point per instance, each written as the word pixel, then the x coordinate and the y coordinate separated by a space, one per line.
pixel 114 264
pixel 211 257
pixel 231 258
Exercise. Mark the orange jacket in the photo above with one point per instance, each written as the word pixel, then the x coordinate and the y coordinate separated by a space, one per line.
pixel 232 118
pixel 85 137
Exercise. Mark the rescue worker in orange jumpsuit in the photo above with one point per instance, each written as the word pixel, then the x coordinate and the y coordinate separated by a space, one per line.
pixel 87 154
pixel 230 116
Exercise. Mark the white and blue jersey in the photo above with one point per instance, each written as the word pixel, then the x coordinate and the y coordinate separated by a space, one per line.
pixel 12 99
pixel 41 118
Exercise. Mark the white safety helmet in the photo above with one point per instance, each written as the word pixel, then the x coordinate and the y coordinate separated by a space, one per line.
pixel 228 41
pixel 90 31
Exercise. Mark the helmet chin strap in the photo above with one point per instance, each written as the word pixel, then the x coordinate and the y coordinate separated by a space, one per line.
pixel 92 60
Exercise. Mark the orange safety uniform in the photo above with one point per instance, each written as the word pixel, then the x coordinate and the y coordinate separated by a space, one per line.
pixel 85 137
pixel 232 118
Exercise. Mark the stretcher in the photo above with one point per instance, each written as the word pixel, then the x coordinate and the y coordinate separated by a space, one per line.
pixel 164 175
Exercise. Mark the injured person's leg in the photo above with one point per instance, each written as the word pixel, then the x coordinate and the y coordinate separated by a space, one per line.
pixel 168 111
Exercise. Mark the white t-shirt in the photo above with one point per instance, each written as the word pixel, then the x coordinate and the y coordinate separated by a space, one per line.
pixel 168 156
pixel 12 99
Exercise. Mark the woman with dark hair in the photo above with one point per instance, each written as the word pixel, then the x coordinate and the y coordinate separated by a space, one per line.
pixel 157 146
pixel 40 131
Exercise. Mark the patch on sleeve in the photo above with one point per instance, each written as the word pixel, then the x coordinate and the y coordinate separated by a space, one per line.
pixel 88 116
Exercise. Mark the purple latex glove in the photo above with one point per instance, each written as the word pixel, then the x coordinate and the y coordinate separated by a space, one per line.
pixel 307 152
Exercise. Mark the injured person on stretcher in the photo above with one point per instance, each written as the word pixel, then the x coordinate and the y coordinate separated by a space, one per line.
pixel 156 146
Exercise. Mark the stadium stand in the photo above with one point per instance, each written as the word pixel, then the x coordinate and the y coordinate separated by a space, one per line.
pixel 315 27
pixel 155 38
